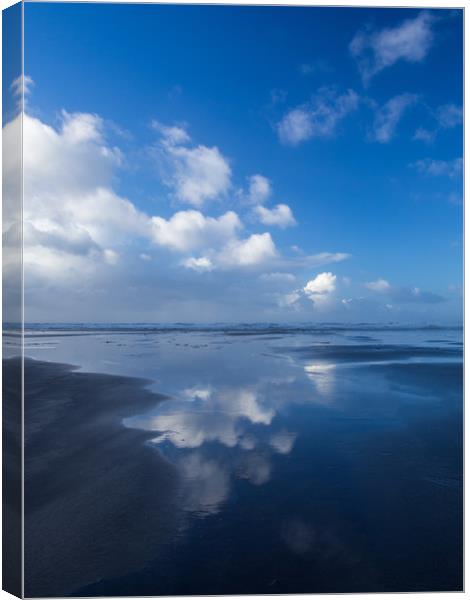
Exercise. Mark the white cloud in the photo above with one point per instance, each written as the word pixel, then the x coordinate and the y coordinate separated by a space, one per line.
pixel 258 249
pixel 311 261
pixel 196 174
pixel 280 216
pixel 290 300
pixel 21 88
pixel 377 50
pixel 318 290
pixel 324 283
pixel 449 116
pixel 379 285
pixel 448 168
pixel 388 117
pixel 190 230
pixel 259 189
pixel 73 220
pixel 198 264
pixel 317 118
pixel 171 134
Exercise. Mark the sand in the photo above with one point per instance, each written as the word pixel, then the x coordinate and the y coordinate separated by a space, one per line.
pixel 98 499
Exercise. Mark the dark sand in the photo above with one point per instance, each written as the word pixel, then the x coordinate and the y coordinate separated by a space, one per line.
pixel 11 476
pixel 98 500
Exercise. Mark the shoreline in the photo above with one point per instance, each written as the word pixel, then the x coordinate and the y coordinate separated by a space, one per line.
pixel 86 516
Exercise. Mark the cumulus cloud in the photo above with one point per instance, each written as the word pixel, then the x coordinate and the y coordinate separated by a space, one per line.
pixel 318 290
pixel 388 116
pixel 317 118
pixel 447 168
pixel 84 238
pixel 190 230
pixel 257 249
pixel 259 189
pixel 379 285
pixel 376 50
pixel 195 173
pixel 324 283
pixel 74 220
pixel 254 252
pixel 280 216
pixel 72 217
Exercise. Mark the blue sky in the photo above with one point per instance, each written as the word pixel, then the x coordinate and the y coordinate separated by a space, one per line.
pixel 279 163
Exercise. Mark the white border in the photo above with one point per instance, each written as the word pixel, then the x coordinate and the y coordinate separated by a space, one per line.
pixel 338 3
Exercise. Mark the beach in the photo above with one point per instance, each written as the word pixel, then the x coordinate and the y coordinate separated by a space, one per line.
pixel 96 497
pixel 221 461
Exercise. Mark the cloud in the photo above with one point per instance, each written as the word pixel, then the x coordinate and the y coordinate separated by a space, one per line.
pixel 195 173
pixel 277 277
pixel 190 230
pixel 449 116
pixel 388 117
pixel 315 66
pixel 206 484
pixel 258 249
pixel 324 283
pixel 318 290
pixel 317 118
pixel 83 239
pixel 446 116
pixel 447 168
pixel 280 216
pixel 198 264
pixel 21 89
pixel 73 220
pixel 171 134
pixel 415 294
pixel 424 135
pixel 379 285
pixel 311 261
pixel 404 294
pixel 376 50
pixel 259 189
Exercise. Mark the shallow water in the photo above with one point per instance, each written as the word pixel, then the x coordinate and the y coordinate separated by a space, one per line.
pixel 309 460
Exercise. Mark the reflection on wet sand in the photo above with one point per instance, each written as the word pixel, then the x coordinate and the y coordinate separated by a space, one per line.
pixel 298 466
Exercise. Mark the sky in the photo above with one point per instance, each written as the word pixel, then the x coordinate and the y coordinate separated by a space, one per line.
pixel 241 163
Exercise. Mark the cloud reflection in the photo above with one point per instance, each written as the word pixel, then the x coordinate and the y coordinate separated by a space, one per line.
pixel 322 375
pixel 206 484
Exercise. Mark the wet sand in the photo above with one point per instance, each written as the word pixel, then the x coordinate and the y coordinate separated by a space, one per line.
pixel 98 500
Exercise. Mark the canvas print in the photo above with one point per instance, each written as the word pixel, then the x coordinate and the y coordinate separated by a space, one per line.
pixel 232 307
